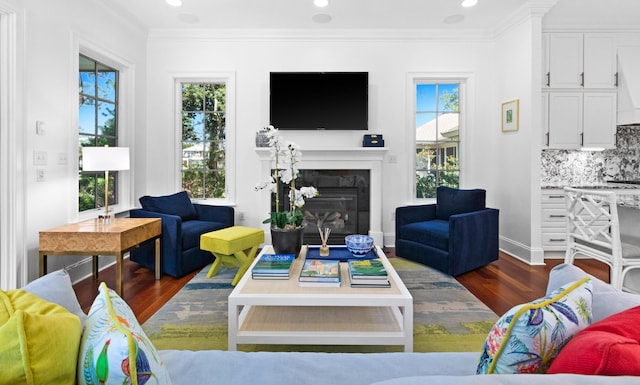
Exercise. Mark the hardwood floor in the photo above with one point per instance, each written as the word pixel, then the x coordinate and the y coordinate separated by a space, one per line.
pixel 509 281
pixel 500 285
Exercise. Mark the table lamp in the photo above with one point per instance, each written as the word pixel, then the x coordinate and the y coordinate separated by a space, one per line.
pixel 105 159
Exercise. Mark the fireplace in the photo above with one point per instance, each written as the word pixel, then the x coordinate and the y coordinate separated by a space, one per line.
pixel 347 167
pixel 341 205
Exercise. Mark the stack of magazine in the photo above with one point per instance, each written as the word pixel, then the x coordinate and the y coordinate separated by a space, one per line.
pixel 368 273
pixel 320 273
pixel 273 266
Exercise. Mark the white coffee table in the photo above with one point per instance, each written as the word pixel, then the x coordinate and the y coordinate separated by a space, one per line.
pixel 280 312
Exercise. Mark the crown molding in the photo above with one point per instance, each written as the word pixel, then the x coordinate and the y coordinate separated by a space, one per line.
pixel 339 35
pixel 529 10
pixel 604 28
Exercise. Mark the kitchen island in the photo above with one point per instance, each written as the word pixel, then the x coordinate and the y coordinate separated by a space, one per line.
pixel 554 223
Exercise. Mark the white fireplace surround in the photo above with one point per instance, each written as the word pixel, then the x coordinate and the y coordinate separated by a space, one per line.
pixel 356 158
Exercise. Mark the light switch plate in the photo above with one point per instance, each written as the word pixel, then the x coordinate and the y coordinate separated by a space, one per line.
pixel 39 158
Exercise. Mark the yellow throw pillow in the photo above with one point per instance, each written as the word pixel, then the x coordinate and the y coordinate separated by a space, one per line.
pixel 114 348
pixel 39 340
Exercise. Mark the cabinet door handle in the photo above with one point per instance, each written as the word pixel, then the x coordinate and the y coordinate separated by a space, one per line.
pixel 557 216
pixel 581 139
pixel 556 196
pixel 547 135
pixel 582 79
pixel 548 79
pixel 615 79
pixel 557 240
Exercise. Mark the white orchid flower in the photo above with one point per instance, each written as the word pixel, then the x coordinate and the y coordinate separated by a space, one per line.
pixel 309 192
pixel 287 157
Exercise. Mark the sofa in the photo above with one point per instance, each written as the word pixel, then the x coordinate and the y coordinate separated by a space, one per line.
pixel 455 235
pixel 182 224
pixel 227 367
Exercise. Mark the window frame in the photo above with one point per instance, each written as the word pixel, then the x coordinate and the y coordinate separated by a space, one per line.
pixel 229 79
pixel 413 79
pixel 97 135
pixel 126 118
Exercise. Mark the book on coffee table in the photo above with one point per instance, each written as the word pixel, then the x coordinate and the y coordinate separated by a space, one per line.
pixel 317 272
pixel 273 266
pixel 367 273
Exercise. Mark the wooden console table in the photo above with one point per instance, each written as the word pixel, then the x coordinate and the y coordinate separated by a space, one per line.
pixel 93 237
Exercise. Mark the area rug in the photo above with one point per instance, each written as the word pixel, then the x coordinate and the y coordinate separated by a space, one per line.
pixel 447 317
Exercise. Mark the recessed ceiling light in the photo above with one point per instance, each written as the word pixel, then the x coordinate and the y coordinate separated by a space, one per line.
pixel 174 3
pixel 321 18
pixel 320 3
pixel 469 3
pixel 188 18
pixel 454 19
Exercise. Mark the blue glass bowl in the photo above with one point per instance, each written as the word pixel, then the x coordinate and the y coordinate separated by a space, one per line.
pixel 358 244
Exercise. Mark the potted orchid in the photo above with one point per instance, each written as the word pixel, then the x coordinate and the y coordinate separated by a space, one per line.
pixel 287 227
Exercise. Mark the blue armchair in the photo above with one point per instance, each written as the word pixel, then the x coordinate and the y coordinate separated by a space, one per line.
pixel 455 235
pixel 182 224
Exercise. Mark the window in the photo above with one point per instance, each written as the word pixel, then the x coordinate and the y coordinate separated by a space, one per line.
pixel 98 126
pixel 437 125
pixel 204 139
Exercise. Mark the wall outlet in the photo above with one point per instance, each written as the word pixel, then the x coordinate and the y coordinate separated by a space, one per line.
pixel 39 175
pixel 240 216
pixel 62 158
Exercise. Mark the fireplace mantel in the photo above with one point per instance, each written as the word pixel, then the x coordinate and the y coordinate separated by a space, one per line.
pixel 352 158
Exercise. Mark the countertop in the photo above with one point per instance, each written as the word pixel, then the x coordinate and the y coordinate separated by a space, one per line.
pixel 628 194
pixel 612 186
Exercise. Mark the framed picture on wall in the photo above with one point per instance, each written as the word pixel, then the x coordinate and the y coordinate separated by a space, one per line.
pixel 510 115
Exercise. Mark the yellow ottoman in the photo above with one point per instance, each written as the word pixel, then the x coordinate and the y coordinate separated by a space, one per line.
pixel 229 245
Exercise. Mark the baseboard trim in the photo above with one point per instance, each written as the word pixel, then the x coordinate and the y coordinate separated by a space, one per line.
pixel 530 256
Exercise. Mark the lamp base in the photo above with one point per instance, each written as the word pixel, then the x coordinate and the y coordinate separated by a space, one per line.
pixel 104 219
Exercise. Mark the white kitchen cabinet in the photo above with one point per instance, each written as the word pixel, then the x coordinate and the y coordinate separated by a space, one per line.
pixel 579 60
pixel 545 60
pixel 545 119
pixel 600 64
pixel 565 60
pixel 599 120
pixel 565 120
pixel 575 120
pixel 554 220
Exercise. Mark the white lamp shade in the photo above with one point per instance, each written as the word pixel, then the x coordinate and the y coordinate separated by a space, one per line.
pixel 105 158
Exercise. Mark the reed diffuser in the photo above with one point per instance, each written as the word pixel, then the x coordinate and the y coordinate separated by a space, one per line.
pixel 324 236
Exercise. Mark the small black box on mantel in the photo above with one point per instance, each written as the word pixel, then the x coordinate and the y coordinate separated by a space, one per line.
pixel 373 140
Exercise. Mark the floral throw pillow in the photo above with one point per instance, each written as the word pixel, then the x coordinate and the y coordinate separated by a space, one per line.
pixel 114 349
pixel 528 337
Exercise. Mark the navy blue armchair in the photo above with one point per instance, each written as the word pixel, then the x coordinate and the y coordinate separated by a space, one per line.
pixel 455 235
pixel 182 224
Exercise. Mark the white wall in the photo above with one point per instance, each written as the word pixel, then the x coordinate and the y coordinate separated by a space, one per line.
pixel 517 153
pixel 53 31
pixel 388 61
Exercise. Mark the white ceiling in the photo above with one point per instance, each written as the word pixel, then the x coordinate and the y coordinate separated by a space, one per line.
pixel 300 14
pixel 370 14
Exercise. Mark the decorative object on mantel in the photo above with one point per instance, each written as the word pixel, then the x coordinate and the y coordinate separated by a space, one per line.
pixel 510 115
pixel 262 140
pixel 287 228
pixel 372 140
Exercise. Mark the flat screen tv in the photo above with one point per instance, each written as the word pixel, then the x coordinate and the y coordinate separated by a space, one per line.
pixel 319 100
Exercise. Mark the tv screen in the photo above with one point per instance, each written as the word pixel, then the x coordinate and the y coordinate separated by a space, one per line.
pixel 319 100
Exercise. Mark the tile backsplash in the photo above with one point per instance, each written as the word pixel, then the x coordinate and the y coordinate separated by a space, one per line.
pixel 593 168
